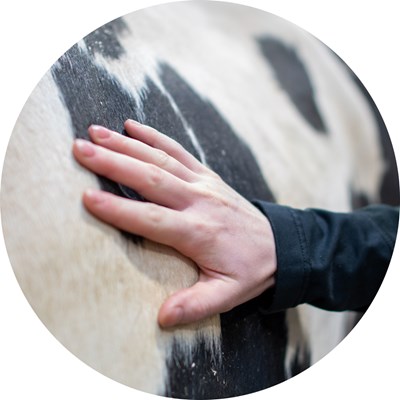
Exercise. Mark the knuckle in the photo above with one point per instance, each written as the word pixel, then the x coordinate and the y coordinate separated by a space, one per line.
pixel 210 193
pixel 209 175
pixel 212 174
pixel 154 176
pixel 154 214
pixel 205 232
pixel 125 143
pixel 201 228
pixel 162 158
pixel 203 189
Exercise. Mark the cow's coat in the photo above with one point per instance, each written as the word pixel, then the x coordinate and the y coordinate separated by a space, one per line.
pixel 223 90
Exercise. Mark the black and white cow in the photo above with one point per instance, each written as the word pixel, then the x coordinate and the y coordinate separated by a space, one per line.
pixel 265 105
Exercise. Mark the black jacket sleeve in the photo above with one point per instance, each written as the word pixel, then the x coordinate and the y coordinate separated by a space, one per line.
pixel 334 261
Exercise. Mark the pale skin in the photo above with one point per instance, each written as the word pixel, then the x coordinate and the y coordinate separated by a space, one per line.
pixel 189 208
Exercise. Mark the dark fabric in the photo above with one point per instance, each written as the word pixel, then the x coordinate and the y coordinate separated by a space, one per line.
pixel 334 261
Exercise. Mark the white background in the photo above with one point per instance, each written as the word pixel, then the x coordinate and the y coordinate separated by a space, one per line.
pixel 34 34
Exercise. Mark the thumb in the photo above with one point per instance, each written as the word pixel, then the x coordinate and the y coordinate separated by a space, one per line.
pixel 202 300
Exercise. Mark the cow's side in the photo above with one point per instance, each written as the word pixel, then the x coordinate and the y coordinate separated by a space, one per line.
pixel 226 92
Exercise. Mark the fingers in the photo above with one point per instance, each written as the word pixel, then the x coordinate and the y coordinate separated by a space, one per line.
pixel 160 141
pixel 139 150
pixel 152 182
pixel 151 221
pixel 204 299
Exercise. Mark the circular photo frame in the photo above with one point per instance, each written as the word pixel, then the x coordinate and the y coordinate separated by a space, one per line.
pixel 262 103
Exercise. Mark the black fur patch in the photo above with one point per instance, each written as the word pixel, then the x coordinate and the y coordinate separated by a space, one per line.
pixel 294 79
pixel 92 96
pixel 252 357
pixel 225 152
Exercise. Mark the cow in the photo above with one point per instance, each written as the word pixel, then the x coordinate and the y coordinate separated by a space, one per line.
pixel 262 103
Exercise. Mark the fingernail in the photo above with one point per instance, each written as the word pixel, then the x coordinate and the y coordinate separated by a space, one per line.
pixel 99 132
pixel 132 121
pixel 95 196
pixel 84 147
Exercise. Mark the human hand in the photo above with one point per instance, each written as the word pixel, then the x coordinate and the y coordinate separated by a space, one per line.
pixel 191 209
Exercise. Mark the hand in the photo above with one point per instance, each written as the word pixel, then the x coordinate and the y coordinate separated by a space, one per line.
pixel 191 209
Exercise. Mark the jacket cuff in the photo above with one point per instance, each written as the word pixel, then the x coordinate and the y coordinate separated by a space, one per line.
pixel 293 264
